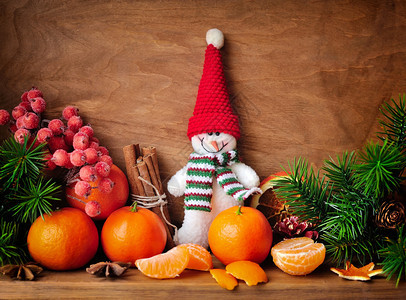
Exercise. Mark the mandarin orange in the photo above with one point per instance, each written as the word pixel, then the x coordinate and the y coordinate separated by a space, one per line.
pixel 298 256
pixel 240 234
pixel 65 240
pixel 129 235
pixel 200 258
pixel 165 265
pixel 109 202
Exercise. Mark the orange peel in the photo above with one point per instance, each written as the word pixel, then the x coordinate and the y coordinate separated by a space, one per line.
pixel 353 273
pixel 248 271
pixel 225 280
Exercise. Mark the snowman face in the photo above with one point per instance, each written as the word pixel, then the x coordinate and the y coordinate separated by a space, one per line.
pixel 213 142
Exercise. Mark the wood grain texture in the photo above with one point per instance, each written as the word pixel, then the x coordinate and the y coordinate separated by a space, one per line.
pixel 306 77
pixel 321 284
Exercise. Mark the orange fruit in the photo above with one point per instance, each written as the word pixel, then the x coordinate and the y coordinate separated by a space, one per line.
pixel 298 256
pixel 200 259
pixel 224 279
pixel 240 235
pixel 66 240
pixel 165 265
pixel 129 235
pixel 248 271
pixel 109 202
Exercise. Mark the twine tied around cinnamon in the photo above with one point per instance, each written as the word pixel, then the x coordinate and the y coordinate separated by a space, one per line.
pixel 154 201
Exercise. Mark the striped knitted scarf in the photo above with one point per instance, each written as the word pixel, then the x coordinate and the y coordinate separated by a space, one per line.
pixel 199 179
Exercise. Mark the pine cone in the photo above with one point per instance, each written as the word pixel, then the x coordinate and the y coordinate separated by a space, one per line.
pixel 390 214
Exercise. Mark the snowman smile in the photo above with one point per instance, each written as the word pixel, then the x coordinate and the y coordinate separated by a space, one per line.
pixel 218 149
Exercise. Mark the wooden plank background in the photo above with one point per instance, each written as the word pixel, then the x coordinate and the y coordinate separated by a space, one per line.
pixel 306 77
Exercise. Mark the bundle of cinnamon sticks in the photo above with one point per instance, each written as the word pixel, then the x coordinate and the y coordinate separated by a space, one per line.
pixel 144 163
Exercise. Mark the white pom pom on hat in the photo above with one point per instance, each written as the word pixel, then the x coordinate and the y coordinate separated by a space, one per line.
pixel 215 37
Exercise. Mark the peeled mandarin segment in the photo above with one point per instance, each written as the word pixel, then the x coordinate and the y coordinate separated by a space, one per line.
pixel 166 265
pixel 199 258
pixel 248 271
pixel 298 256
pixel 224 279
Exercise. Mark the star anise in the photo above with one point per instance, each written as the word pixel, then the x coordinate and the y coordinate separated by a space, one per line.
pixel 26 271
pixel 108 269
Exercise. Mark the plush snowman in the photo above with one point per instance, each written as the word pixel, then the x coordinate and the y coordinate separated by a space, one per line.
pixel 213 179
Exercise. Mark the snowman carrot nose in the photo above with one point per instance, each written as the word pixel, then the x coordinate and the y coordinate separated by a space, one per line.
pixel 214 144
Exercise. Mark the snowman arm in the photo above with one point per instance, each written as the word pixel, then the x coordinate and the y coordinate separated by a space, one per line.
pixel 246 175
pixel 177 184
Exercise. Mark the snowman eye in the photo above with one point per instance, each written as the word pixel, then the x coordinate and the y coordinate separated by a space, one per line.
pixel 217 133
pixel 210 133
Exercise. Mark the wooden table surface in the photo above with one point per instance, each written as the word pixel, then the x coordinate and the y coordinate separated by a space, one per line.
pixel 321 284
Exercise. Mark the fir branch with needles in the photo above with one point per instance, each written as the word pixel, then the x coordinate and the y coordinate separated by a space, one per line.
pixel 394 256
pixel 305 193
pixel 34 199
pixel 394 124
pixel 11 252
pixel 20 161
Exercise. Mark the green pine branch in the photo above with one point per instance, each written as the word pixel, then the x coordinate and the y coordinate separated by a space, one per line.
pixel 10 251
pixel 306 194
pixel 379 169
pixel 20 161
pixel 34 199
pixel 394 256
pixel 394 125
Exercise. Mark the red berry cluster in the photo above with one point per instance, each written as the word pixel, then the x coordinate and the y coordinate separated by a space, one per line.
pixel 71 144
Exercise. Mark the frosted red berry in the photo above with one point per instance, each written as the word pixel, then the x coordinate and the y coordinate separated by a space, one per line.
pixel 107 159
pixel 103 150
pixel 18 112
pixel 92 156
pixel 49 164
pixel 57 126
pixel 38 105
pixel 93 144
pixel 4 117
pixel 33 93
pixel 102 169
pixel 26 105
pixel 44 134
pixel 20 122
pixel 78 158
pixel 31 120
pixel 69 112
pixel 83 188
pixel 24 97
pixel 88 130
pixel 74 123
pixel 106 185
pixel 60 158
pixel 68 136
pixel 57 142
pixel 20 134
pixel 80 141
pixel 93 209
pixel 88 173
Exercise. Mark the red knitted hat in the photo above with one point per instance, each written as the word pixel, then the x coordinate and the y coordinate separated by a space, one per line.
pixel 213 112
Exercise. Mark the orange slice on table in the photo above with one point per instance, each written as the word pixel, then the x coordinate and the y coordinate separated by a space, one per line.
pixel 200 259
pixel 224 279
pixel 298 256
pixel 248 271
pixel 165 265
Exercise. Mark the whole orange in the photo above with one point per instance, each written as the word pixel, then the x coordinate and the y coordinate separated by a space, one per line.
pixel 109 202
pixel 240 234
pixel 66 240
pixel 128 235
